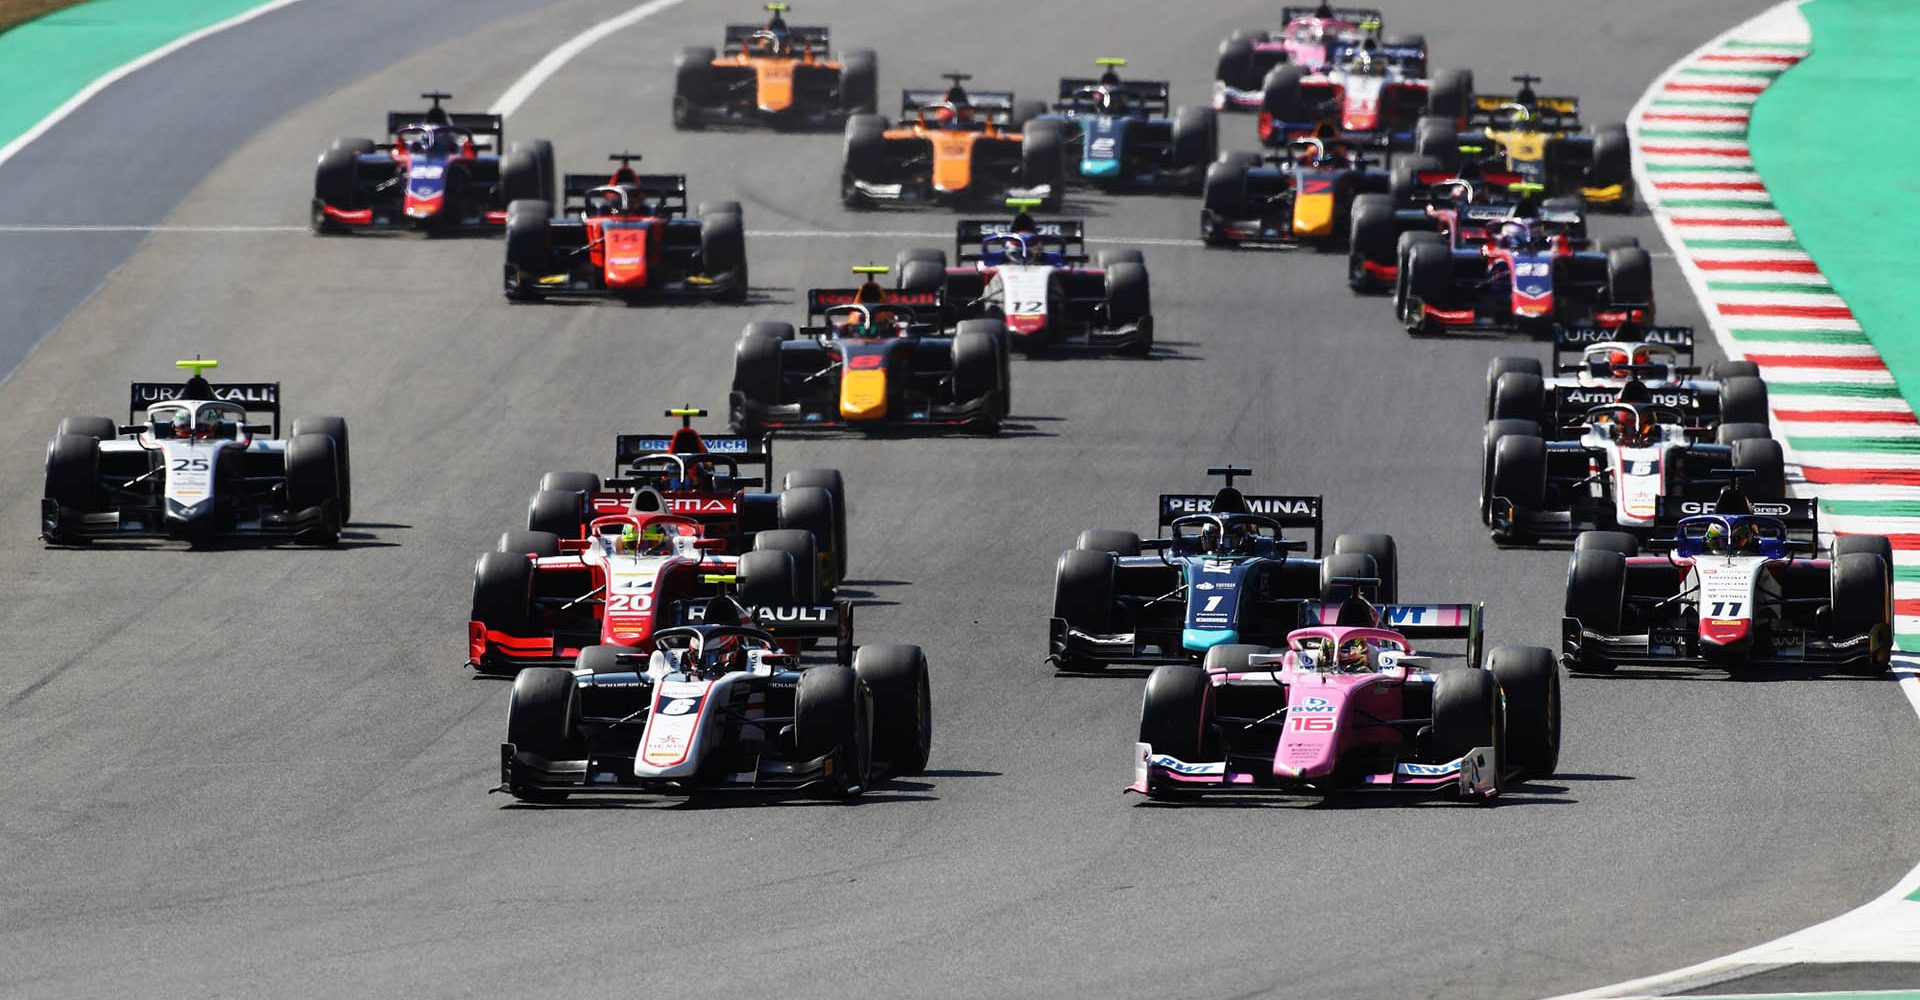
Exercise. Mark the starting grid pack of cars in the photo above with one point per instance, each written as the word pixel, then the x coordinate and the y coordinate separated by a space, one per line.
pixel 673 626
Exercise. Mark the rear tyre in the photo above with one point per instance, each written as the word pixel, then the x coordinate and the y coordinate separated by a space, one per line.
pixel 1743 399
pixel 560 512
pixel 801 547
pixel 1386 560
pixel 756 369
pixel 1347 566
pixel 1630 276
pixel 1196 137
pixel 1281 101
pixel 543 719
pixel 1501 366
pixel 519 541
pixel 836 487
pixel 336 182
pixel 1043 160
pixel 859 81
pixel 1429 280
pixel 520 178
pixel 1519 395
pixel 1223 196
pixel 1769 465
pixel 1613 164
pixel 1720 371
pixel 1878 545
pixel 1451 94
pixel 98 428
pixel 1729 433
pixel 902 704
pixel 1404 183
pixel 1236 66
pixel 571 482
pixel 1436 138
pixel 904 257
pixel 692 85
pixel 923 276
pixel 1530 687
pixel 1120 543
pixel 767 578
pixel 1607 541
pixel 1128 255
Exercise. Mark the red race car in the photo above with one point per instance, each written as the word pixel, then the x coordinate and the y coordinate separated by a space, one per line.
pixel 626 236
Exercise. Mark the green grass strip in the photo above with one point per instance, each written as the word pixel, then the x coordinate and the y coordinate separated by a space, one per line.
pixel 1881 445
pixel 1800 336
pixel 1850 390
pixel 1873 508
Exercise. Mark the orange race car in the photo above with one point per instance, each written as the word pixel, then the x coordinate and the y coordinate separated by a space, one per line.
pixel 955 148
pixel 772 74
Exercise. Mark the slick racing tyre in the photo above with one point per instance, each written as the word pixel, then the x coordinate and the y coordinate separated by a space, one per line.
pixel 1520 471
pixel 1128 302
pixel 529 248
pixel 831 716
pixel 836 487
pixel 543 720
pixel 520 541
pixel 1862 598
pixel 859 81
pixel 1607 541
pixel 1196 137
pixel 902 704
pixel 1490 440
pixel 313 480
pixel 1174 710
pixel 1466 713
pixel 1371 238
pixel 335 428
pixel 723 254
pixel 1769 465
pixel 977 368
pixel 1743 399
pixel 1386 560
pixel 1348 566
pixel 800 546
pixel 1114 540
pixel 1530 687
pixel 561 512
pixel 1083 596
pixel 1501 366
pixel 692 85
pixel 1596 598
pixel 767 578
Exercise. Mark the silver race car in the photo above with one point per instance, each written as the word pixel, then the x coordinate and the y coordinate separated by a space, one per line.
pixel 195 467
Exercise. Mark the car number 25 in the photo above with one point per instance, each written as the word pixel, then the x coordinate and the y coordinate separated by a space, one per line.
pixel 194 463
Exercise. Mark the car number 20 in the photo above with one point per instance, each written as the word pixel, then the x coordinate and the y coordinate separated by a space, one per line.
pixel 632 604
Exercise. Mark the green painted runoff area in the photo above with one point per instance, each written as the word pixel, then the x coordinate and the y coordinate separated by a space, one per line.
pixel 1834 140
pixel 45 61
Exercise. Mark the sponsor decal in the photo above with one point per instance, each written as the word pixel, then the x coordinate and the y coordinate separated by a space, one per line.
pixel 1678 398
pixel 1429 770
pixel 682 689
pixel 699 505
pixel 1177 766
pixel 1295 506
pixel 1313 704
pixel 150 392
pixel 1215 566
pixel 1204 585
pixel 426 171
pixel 1764 508
pixel 679 706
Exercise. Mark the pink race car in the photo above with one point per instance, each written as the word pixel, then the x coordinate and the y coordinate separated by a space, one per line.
pixel 1349 704
pixel 1315 38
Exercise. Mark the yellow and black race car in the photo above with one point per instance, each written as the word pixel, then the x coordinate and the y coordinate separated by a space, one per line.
pixel 1539 139
pixel 772 74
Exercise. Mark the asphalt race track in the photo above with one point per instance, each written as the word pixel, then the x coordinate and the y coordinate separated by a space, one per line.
pixel 263 773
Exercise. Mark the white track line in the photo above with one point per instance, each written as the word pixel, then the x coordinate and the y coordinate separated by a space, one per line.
pixel 529 82
pixel 108 79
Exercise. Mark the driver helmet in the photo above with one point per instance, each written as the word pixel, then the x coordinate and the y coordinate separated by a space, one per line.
pixel 1239 538
pixel 955 114
pixel 654 540
pixel 1513 235
pixel 774 39
pixel 629 541
pixel 604 201
pixel 1520 114
pixel 1364 60
pixel 1634 427
pixel 1352 657
pixel 1620 361
pixel 1016 248
pixel 1107 98
pixel 1210 537
pixel 182 424
pixel 1744 536
pixel 724 653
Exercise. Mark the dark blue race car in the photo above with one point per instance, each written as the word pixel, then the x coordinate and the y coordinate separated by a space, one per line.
pixel 1118 134
pixel 439 171
pixel 1225 574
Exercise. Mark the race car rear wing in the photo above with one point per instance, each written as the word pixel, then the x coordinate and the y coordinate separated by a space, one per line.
pixel 819 300
pixel 1419 621
pixel 671 189
pixel 801 621
pixel 968 233
pixel 1796 513
pixel 995 106
pixel 628 447
pixel 1356 15
pixel 1549 113
pixel 811 37
pixel 1287 511
pixel 1155 96
pixel 1572 401
pixel 257 397
pixel 1403 55
pixel 1570 342
pixel 488 130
